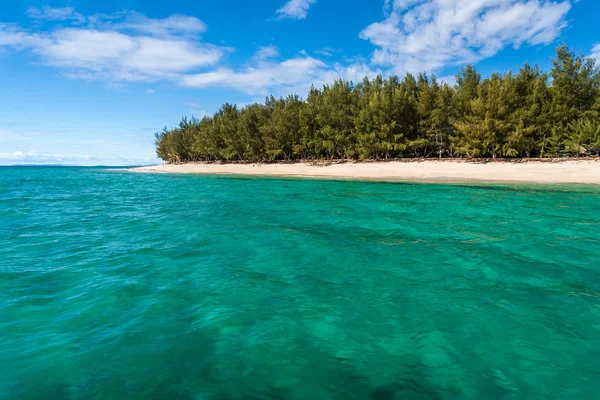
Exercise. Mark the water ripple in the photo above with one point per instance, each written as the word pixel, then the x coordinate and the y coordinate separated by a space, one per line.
pixel 116 285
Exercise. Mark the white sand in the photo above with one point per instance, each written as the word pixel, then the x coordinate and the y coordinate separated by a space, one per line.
pixel 575 171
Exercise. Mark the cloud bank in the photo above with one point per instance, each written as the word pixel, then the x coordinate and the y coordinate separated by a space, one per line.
pixel 33 157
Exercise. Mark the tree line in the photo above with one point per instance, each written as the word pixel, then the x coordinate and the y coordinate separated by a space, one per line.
pixel 529 114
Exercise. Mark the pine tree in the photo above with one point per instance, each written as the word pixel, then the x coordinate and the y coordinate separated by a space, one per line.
pixel 250 120
pixel 522 115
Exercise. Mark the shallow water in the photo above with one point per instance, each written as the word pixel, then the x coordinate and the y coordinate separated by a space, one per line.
pixel 118 285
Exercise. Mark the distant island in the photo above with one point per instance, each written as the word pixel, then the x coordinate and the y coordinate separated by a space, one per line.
pixel 531 114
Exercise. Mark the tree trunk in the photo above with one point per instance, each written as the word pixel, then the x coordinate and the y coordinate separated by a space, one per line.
pixel 543 146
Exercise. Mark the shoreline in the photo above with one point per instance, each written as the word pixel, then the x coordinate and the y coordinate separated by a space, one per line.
pixel 580 171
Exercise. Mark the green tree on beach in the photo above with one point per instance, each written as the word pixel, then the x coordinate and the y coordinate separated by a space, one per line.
pixel 528 114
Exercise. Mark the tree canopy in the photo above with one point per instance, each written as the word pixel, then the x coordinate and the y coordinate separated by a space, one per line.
pixel 529 114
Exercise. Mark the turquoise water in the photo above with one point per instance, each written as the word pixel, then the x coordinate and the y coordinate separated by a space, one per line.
pixel 116 285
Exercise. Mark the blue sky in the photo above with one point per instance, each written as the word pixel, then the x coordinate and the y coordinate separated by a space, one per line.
pixel 89 81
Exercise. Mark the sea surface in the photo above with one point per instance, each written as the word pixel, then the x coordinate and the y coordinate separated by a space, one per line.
pixel 121 285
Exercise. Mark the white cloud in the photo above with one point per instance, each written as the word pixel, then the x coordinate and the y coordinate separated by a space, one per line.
pixel 119 48
pixel 35 142
pixel 33 157
pixel 596 53
pixel 23 156
pixel 55 14
pixel 266 52
pixel 268 76
pixel 150 91
pixel 326 51
pixel 427 35
pixel 175 25
pixel 295 9
pixel 293 75
pixel 255 80
pixel 12 36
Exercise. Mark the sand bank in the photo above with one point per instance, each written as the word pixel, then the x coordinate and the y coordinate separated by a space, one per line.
pixel 572 171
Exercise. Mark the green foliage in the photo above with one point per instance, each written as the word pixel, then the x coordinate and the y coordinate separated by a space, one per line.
pixel 584 136
pixel 530 114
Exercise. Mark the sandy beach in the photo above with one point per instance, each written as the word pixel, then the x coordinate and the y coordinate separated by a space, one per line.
pixel 571 171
